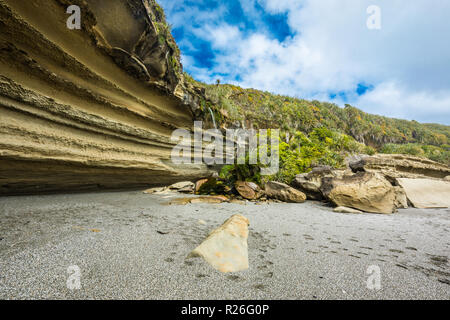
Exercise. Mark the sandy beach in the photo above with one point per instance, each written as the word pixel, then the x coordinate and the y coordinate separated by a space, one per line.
pixel 129 245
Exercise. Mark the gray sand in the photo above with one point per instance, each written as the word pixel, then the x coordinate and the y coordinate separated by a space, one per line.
pixel 296 251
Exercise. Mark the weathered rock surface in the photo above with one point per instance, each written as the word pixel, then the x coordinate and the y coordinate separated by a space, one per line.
pixel 91 108
pixel 394 166
pixel 283 192
pixel 346 210
pixel 447 178
pixel 401 201
pixel 226 247
pixel 310 183
pixel 426 193
pixel 248 190
pixel 366 191
pixel 183 187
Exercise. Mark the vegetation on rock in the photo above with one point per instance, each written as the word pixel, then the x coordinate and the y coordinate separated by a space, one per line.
pixel 346 130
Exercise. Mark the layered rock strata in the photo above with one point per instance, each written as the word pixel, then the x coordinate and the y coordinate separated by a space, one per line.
pixel 92 108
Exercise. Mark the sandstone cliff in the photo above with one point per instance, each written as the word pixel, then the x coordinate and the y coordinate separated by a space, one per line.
pixel 394 166
pixel 91 108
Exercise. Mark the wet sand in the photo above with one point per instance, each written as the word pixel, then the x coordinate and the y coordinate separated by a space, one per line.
pixel 130 245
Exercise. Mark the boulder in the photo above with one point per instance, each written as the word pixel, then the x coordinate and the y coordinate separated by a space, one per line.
pixel 394 166
pixel 426 193
pixel 284 192
pixel 310 183
pixel 346 210
pixel 248 190
pixel 447 178
pixel 366 191
pixel 226 247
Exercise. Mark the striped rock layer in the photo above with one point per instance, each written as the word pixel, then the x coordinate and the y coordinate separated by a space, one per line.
pixel 92 108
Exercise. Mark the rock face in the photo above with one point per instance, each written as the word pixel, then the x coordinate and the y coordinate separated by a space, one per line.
pixel 366 191
pixel 427 193
pixel 394 166
pixel 91 108
pixel 283 192
pixel 226 247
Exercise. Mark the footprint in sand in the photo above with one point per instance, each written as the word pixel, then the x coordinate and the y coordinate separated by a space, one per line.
pixel 234 278
pixel 259 287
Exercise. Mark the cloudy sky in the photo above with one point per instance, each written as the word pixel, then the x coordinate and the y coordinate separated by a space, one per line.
pixel 324 50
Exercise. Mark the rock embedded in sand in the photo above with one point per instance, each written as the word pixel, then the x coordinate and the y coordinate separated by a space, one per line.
pixel 366 191
pixel 283 192
pixel 346 210
pixel 447 178
pixel 426 193
pixel 202 199
pixel 226 247
pixel 157 190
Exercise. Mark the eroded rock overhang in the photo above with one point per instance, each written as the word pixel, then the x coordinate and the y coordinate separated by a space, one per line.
pixel 92 108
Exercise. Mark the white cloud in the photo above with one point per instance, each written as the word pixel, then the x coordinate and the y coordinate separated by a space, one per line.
pixel 407 61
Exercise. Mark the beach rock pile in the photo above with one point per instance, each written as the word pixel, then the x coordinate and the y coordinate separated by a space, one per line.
pixel 226 247
pixel 379 184
pixel 367 185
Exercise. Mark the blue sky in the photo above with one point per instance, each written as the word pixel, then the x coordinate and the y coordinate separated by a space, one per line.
pixel 322 49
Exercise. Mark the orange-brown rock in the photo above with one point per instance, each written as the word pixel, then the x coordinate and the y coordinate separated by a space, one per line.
pixel 283 192
pixel 248 190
